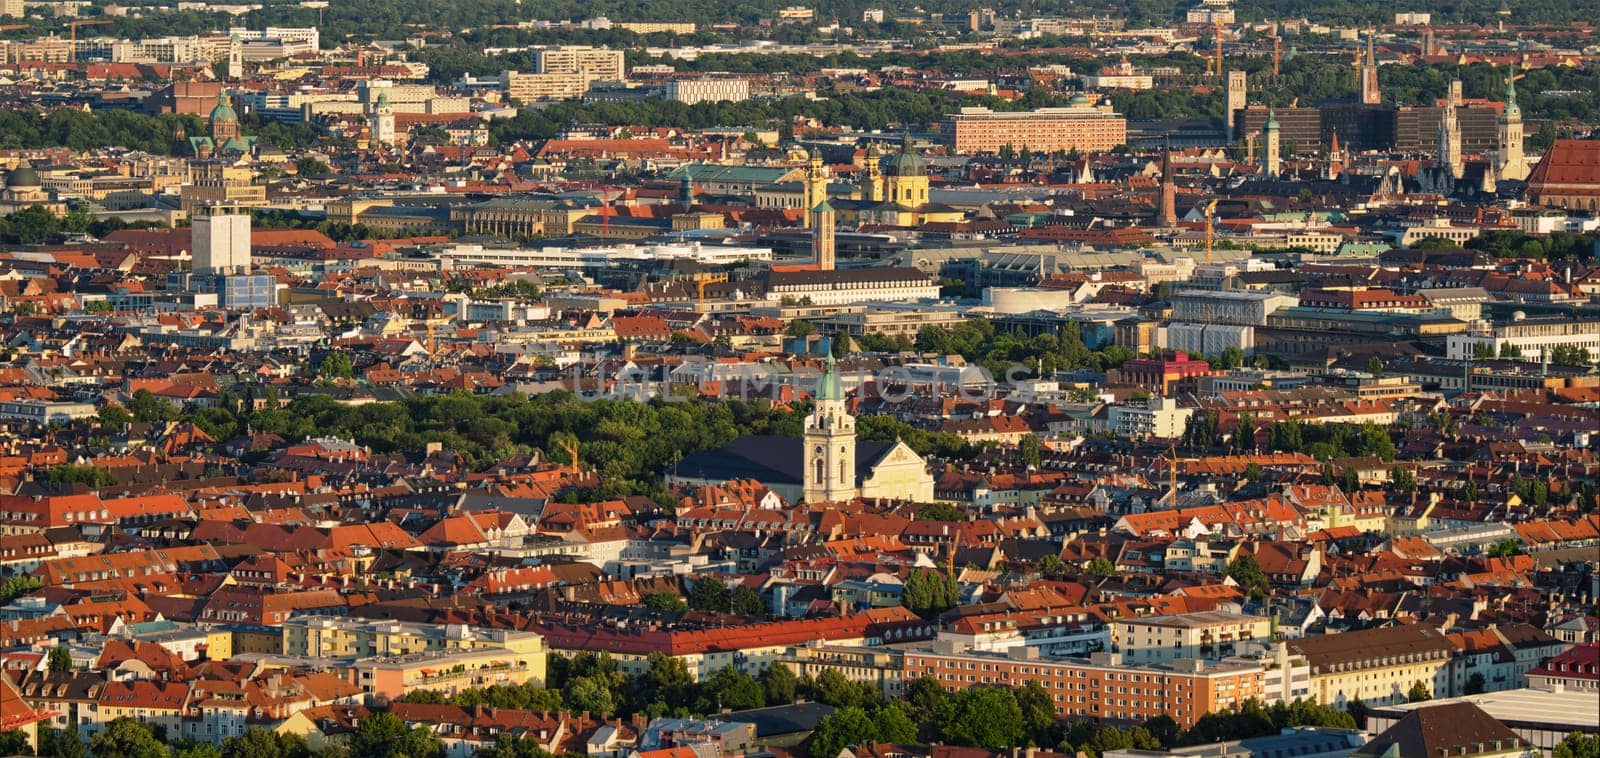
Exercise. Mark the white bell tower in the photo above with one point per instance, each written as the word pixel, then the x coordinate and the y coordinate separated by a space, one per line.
pixel 830 444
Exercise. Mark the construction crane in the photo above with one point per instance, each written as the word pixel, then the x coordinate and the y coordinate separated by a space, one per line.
pixel 12 27
pixel 431 324
pixel 1277 53
pixel 72 51
pixel 700 282
pixel 572 452
pixel 1211 228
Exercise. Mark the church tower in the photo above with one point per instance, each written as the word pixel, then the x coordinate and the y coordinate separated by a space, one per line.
pixel 1336 161
pixel 1450 133
pixel 383 132
pixel 686 191
pixel 815 186
pixel 871 177
pixel 1271 159
pixel 1510 163
pixel 830 443
pixel 235 59
pixel 1369 76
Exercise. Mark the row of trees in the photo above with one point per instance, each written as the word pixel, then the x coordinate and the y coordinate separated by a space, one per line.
pixel 998 718
pixel 35 224
pixel 1318 440
pixel 1560 246
pixel 128 738
pixel 97 129
pixel 595 683
pixel 890 107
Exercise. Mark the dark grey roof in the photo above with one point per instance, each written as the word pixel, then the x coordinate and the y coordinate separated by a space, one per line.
pixel 769 459
pixel 781 719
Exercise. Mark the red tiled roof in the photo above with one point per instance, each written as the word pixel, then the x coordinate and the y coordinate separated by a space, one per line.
pixel 1570 167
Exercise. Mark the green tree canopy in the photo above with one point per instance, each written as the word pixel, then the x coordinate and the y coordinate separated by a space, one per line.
pixel 384 735
pixel 986 717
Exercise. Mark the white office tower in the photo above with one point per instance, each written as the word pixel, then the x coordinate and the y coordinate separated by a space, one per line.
pixel 222 244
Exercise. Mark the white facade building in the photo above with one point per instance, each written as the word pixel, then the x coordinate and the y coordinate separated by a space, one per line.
pixel 221 244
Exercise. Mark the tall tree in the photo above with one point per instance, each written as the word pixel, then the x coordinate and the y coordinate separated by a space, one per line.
pixel 986 717
pixel 384 735
pixel 709 594
pixel 127 738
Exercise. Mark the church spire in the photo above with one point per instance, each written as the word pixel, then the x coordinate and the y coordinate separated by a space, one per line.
pixel 829 387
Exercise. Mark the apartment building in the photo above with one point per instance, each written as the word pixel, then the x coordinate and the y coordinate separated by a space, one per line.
pixel 878 667
pixel 1208 635
pixel 594 63
pixel 447 672
pixel 1081 126
pixel 708 90
pixel 336 637
pixel 1377 666
pixel 1103 687
pixel 529 88
pixel 1154 417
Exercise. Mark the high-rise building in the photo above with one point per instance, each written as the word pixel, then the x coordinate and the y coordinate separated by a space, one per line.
pixel 822 236
pixel 594 63
pixel 221 244
pixel 1235 101
pixel 1510 163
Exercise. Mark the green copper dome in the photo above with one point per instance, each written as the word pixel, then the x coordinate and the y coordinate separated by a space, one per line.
pixel 224 112
pixel 904 163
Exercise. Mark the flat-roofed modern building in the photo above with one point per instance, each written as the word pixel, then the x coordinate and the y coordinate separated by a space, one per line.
pixel 1081 126
pixel 594 63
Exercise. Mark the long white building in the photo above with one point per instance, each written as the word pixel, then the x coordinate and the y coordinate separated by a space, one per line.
pixel 564 258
